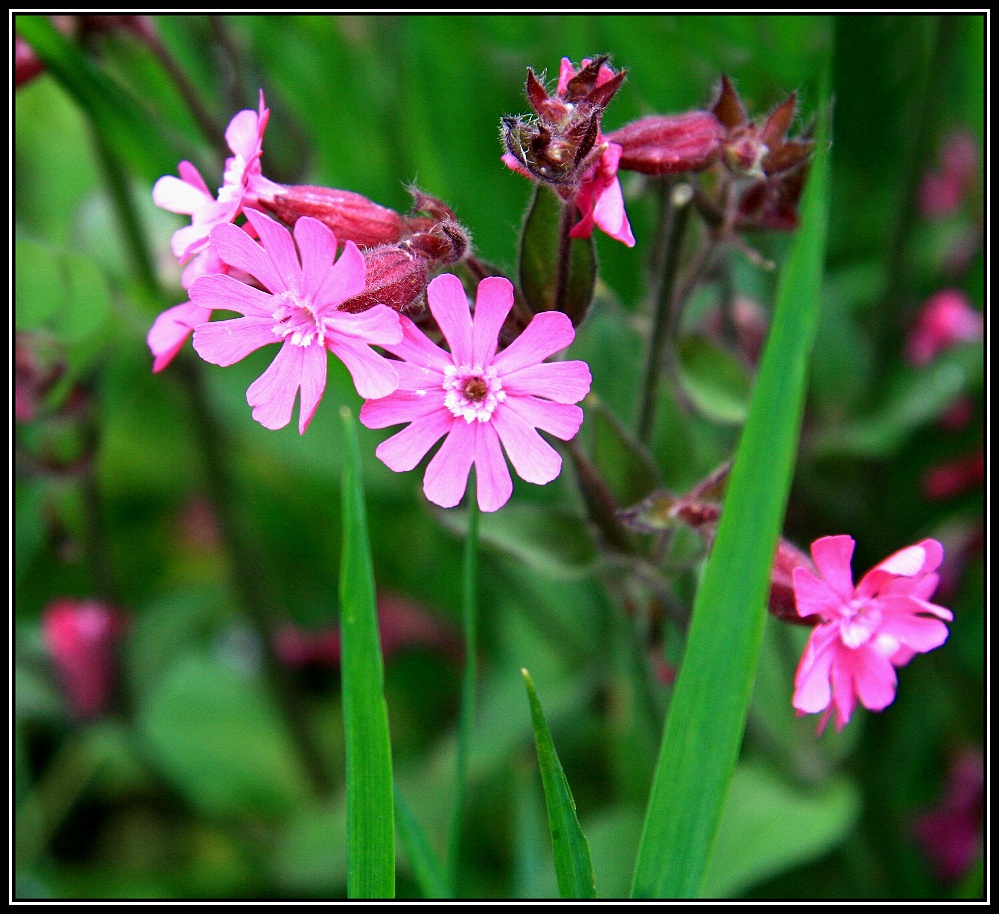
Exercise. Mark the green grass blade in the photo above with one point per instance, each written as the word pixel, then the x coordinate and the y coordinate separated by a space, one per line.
pixel 426 865
pixel 572 853
pixel 370 815
pixel 707 715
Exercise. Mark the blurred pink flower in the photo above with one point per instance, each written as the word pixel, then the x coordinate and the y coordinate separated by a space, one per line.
pixel 942 192
pixel 865 631
pixel 189 195
pixel 479 398
pixel 81 637
pixel 951 833
pixel 300 310
pixel 952 478
pixel 946 318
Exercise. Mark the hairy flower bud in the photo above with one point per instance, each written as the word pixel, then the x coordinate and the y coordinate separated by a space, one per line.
pixel 394 276
pixel 663 144
pixel 352 217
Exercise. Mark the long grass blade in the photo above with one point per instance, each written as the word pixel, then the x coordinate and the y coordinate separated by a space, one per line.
pixel 572 854
pixel 708 712
pixel 370 813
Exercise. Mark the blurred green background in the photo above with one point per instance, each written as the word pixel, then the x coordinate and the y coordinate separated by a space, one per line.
pixel 192 787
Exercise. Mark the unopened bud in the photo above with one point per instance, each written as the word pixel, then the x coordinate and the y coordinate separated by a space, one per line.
pixel 394 276
pixel 662 144
pixel 445 242
pixel 781 602
pixel 352 217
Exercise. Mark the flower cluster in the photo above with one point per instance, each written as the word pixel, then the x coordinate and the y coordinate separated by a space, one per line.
pixel 565 148
pixel 865 631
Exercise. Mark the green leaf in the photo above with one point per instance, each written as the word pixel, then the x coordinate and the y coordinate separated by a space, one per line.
pixel 572 853
pixel 623 462
pixel 754 842
pixel 718 384
pixel 539 255
pixel 426 865
pixel 212 730
pixel 119 119
pixel 62 292
pixel 708 711
pixel 370 816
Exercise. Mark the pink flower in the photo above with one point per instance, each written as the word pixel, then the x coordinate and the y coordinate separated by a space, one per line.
pixel 946 318
pixel 479 398
pixel 81 638
pixel 600 201
pixel 300 310
pixel 942 192
pixel 189 195
pixel 865 631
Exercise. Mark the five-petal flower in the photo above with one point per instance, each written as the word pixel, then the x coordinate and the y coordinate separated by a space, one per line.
pixel 867 630
pixel 299 309
pixel 482 400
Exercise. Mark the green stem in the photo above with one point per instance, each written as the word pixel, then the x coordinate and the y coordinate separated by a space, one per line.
pixel 673 223
pixel 466 720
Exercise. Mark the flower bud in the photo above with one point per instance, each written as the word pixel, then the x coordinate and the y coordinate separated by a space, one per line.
pixel 394 276
pixel 662 144
pixel 352 217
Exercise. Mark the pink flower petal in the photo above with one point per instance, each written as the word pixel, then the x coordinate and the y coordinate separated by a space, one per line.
pixel 448 303
pixel 832 556
pixel 493 484
pixel 563 382
pixel 447 472
pixel 874 678
pixel 317 246
pixel 272 395
pixel 313 384
pixel 345 280
pixel 405 450
pixel 547 333
pixel 171 329
pixel 532 457
pixel 378 326
pixel 401 406
pixel 227 342
pixel 279 248
pixel 812 691
pixel 223 293
pixel 416 349
pixel 178 196
pixel 236 248
pixel 915 632
pixel 559 419
pixel 243 134
pixel 493 302
pixel 813 596
pixel 373 375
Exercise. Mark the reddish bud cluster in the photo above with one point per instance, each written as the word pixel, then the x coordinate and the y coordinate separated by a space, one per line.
pixel 668 144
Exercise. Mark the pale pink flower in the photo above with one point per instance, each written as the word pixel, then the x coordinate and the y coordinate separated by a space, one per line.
pixel 189 195
pixel 946 318
pixel 478 398
pixel 81 637
pixel 867 630
pixel 299 310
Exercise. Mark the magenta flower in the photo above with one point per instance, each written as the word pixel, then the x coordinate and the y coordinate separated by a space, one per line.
pixel 865 631
pixel 82 637
pixel 947 318
pixel 479 398
pixel 189 195
pixel 300 310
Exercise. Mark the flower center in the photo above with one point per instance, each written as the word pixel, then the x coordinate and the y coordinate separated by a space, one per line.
pixel 296 317
pixel 861 620
pixel 472 393
pixel 232 180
